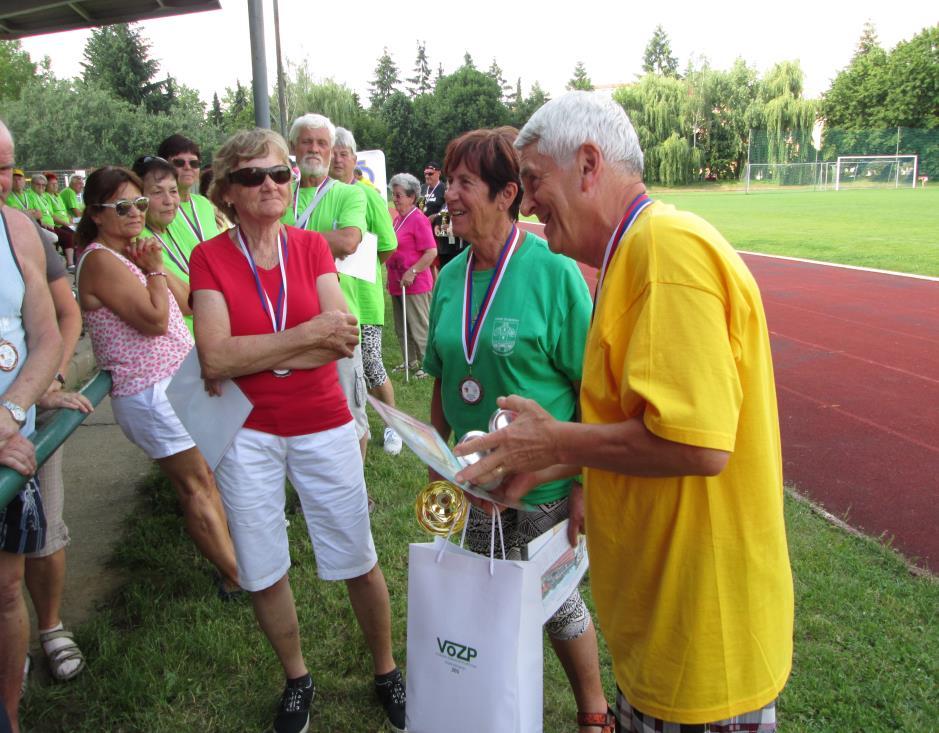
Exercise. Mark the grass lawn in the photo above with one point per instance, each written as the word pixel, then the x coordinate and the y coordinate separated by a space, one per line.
pixel 166 656
pixel 886 229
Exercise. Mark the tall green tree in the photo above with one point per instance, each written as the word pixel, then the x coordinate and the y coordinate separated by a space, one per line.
pixel 468 61
pixel 580 80
pixel 658 57
pixel 16 69
pixel 386 80
pixel 868 40
pixel 420 83
pixel 403 146
pixel 117 59
pixel 464 100
pixel 215 115
pixel 495 73
pixel 527 106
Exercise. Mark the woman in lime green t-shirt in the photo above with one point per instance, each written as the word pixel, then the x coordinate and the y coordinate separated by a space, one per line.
pixel 159 185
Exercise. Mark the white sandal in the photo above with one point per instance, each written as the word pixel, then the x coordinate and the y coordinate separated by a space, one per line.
pixel 58 657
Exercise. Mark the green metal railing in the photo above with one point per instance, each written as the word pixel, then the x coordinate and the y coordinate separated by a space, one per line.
pixel 53 434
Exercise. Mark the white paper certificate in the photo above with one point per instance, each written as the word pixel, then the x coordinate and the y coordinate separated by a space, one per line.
pixel 210 421
pixel 361 263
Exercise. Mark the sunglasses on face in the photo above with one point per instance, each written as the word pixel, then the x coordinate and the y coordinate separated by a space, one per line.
pixel 182 163
pixel 123 207
pixel 255 176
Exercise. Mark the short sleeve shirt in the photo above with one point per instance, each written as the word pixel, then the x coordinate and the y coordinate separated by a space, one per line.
pixel 415 236
pixel 308 400
pixel 194 222
pixel 531 343
pixel 341 206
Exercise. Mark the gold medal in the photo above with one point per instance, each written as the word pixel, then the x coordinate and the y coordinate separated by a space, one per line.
pixel 9 356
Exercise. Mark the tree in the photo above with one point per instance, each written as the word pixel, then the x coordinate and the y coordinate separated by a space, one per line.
pixel 403 146
pixel 658 58
pixel 580 80
pixel 463 101
pixel 526 107
pixel 215 115
pixel 420 82
pixel 239 108
pixel 16 69
pixel 386 80
pixel 868 40
pixel 495 73
pixel 468 61
pixel 117 59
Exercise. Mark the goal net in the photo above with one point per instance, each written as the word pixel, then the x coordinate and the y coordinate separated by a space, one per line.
pixel 875 171
pixel 776 176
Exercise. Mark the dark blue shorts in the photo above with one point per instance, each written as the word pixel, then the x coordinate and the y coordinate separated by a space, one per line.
pixel 23 522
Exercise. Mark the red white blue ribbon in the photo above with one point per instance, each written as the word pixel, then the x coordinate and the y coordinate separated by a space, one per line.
pixel 473 327
pixel 178 257
pixel 194 226
pixel 635 208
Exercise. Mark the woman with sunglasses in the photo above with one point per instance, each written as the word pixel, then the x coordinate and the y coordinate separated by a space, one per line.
pixel 269 314
pixel 138 334
pixel 161 188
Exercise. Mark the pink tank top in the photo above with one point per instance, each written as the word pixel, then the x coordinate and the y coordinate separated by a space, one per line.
pixel 136 361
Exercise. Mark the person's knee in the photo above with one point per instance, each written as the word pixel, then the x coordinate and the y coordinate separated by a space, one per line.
pixel 11 584
pixel 196 485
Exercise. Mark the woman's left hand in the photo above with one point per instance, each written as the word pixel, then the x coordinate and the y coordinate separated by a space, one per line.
pixel 146 253
pixel 55 399
pixel 408 278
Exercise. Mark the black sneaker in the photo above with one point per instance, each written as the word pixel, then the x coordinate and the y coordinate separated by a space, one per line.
pixel 390 689
pixel 293 715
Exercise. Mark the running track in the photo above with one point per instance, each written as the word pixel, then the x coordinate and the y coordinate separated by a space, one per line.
pixel 856 356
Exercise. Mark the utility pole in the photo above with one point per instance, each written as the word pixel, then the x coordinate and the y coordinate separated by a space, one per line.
pixel 262 105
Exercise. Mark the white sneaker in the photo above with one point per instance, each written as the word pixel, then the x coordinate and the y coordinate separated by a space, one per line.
pixel 392 442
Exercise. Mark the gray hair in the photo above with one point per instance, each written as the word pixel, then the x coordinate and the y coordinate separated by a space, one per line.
pixel 345 139
pixel 407 182
pixel 562 125
pixel 38 178
pixel 312 122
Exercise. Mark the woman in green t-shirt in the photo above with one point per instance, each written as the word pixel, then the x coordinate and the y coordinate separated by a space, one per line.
pixel 510 317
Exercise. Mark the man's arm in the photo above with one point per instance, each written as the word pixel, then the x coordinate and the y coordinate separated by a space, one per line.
pixel 535 441
pixel 42 334
pixel 343 242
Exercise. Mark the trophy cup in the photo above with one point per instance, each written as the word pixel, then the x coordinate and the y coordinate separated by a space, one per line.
pixel 441 508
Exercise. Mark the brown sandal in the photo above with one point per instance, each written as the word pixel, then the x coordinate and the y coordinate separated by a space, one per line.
pixel 604 721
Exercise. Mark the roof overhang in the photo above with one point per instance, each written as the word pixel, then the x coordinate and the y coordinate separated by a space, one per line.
pixel 19 18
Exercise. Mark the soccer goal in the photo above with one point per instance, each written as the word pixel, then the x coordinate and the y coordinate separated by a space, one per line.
pixel 770 176
pixel 876 171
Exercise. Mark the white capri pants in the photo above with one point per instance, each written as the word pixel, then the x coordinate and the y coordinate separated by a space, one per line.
pixel 325 468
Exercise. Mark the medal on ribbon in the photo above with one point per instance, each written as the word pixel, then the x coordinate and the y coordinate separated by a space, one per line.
pixel 194 224
pixel 635 208
pixel 278 316
pixel 177 257
pixel 9 356
pixel 471 390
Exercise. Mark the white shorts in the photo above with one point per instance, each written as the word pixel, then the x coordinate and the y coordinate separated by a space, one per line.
pixel 149 422
pixel 352 380
pixel 325 468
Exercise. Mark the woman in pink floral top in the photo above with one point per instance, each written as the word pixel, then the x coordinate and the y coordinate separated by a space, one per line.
pixel 138 334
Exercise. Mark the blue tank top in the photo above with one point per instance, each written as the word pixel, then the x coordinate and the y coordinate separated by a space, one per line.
pixel 11 314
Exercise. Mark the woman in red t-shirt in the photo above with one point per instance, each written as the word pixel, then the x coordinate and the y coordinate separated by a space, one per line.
pixel 270 315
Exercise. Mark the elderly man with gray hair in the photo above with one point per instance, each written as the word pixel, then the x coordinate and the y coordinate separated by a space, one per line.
pixel 338 212
pixel 678 440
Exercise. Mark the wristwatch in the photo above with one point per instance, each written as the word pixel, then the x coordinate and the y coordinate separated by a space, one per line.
pixel 19 414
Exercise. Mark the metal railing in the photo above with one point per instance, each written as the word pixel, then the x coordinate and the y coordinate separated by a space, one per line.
pixel 53 434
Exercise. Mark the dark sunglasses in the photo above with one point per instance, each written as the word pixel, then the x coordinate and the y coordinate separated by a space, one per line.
pixel 123 207
pixel 182 163
pixel 255 176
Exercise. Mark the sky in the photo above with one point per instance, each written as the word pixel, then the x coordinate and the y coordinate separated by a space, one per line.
pixel 209 51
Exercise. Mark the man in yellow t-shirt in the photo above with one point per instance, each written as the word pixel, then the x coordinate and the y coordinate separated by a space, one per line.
pixel 679 440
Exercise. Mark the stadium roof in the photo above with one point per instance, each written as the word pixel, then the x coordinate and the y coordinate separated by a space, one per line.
pixel 19 18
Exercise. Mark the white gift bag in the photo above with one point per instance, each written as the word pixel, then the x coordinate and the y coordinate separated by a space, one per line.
pixel 474 661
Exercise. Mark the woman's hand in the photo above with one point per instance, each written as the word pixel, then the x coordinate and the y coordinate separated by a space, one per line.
pixel 147 254
pixel 408 278
pixel 55 399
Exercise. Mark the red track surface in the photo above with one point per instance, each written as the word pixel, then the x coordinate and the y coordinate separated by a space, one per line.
pixel 856 356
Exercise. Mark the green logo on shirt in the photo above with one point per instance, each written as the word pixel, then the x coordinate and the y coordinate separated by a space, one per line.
pixel 504 335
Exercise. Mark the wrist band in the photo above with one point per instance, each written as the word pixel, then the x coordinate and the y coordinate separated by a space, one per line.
pixel 156 274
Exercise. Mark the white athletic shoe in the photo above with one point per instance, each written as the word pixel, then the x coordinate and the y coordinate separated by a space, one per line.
pixel 392 442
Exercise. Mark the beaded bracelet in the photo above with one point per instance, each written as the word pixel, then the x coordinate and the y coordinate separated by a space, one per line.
pixel 156 274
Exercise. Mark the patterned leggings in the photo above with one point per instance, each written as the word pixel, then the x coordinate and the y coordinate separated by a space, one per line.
pixel 519 528
pixel 375 374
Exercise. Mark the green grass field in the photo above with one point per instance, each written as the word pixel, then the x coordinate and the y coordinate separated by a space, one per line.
pixel 166 656
pixel 886 229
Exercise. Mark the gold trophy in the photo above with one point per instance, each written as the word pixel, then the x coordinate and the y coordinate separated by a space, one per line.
pixel 441 508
